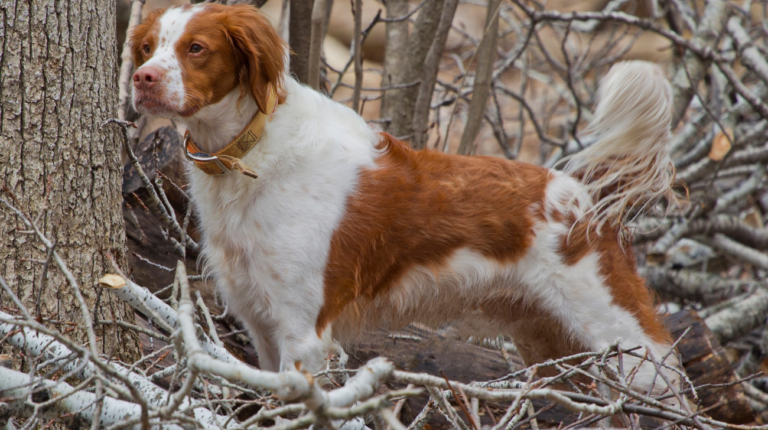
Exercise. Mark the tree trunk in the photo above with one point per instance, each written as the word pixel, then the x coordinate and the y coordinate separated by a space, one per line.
pixel 486 52
pixel 420 116
pixel 404 99
pixel 299 35
pixel 58 84
pixel 396 44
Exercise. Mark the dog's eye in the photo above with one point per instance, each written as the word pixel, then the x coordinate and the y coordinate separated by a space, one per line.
pixel 146 49
pixel 195 48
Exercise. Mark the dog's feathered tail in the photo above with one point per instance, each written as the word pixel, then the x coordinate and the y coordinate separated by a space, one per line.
pixel 628 167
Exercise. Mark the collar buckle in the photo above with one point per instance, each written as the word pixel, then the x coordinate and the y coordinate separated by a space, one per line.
pixel 204 157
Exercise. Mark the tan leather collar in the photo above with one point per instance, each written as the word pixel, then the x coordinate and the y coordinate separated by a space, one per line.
pixel 227 159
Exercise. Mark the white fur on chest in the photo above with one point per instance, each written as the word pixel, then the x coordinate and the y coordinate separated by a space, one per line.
pixel 266 240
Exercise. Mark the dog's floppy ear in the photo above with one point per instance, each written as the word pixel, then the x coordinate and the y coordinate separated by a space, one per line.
pixel 258 52
pixel 139 33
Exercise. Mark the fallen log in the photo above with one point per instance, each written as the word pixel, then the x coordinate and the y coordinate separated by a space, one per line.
pixel 705 363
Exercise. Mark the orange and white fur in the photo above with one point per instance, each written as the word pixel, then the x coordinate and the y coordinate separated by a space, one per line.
pixel 347 229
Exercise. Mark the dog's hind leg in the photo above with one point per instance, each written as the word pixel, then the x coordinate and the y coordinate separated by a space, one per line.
pixel 588 297
pixel 543 338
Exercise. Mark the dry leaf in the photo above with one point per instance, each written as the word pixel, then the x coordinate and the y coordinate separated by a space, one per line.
pixel 721 144
pixel 751 217
pixel 6 360
pixel 112 281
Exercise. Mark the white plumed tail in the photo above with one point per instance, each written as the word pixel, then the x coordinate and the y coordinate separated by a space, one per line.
pixel 628 167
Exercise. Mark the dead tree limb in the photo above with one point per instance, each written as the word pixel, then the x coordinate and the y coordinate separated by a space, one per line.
pixel 58 400
pixel 693 68
pixel 357 50
pixel 750 55
pixel 418 46
pixel 429 75
pixel 126 64
pixel 395 45
pixel 695 286
pixel 299 37
pixel 734 322
pixel 485 55
pixel 316 43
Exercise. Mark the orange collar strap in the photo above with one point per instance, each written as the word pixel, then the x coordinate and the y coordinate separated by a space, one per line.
pixel 227 159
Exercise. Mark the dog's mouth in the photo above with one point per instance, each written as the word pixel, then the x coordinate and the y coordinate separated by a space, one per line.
pixel 152 105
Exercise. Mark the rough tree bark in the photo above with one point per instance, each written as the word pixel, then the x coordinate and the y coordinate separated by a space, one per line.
pixel 58 84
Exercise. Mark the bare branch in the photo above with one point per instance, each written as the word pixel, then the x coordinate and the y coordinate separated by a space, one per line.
pixel 357 50
pixel 126 63
pixel 688 76
pixel 734 322
pixel 750 56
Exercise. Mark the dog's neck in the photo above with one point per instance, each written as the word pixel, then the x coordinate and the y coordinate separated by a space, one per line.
pixel 216 125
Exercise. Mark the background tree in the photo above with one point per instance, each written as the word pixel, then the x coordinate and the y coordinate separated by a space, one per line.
pixel 60 165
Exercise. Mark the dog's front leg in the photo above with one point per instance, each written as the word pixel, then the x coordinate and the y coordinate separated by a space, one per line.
pixel 312 353
pixel 266 347
pixel 302 349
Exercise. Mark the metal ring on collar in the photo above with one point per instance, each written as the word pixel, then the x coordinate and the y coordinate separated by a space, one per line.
pixel 204 157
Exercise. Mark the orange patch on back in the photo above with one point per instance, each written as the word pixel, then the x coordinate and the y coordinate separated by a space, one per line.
pixel 417 208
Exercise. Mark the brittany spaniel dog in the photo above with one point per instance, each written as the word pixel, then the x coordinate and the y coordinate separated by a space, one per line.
pixel 317 227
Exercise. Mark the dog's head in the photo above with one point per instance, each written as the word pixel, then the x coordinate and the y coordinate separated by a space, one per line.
pixel 190 57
